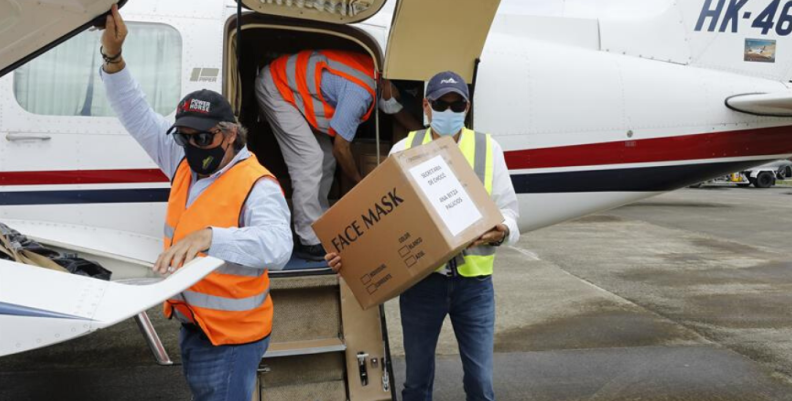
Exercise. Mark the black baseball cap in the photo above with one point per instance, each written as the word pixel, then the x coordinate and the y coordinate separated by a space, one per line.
pixel 445 83
pixel 202 110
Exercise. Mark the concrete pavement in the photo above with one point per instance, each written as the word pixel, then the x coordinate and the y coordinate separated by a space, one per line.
pixel 681 297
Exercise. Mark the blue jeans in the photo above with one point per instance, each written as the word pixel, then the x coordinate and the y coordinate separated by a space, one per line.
pixel 471 304
pixel 219 373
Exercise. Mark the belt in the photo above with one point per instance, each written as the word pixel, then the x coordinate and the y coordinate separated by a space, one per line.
pixel 192 327
pixel 451 268
pixel 195 329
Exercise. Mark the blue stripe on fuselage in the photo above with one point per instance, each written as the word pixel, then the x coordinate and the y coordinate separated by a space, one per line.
pixel 630 179
pixel 145 195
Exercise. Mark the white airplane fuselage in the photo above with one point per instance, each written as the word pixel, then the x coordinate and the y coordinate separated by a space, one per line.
pixel 583 129
pixel 591 114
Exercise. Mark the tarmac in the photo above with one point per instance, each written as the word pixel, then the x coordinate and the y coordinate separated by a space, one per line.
pixel 684 296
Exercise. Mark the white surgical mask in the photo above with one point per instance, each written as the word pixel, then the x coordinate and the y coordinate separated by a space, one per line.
pixel 390 106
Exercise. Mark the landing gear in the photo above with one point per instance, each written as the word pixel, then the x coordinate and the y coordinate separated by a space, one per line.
pixel 765 179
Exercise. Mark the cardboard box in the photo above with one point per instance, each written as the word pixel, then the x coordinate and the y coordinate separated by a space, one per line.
pixel 413 213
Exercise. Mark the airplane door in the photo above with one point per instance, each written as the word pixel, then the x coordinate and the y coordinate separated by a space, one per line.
pixel 337 12
pixel 427 37
pixel 29 28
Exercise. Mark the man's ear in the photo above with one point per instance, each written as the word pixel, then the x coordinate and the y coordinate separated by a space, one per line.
pixel 427 109
pixel 232 135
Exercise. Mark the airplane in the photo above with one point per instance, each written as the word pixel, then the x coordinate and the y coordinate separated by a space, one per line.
pixel 592 113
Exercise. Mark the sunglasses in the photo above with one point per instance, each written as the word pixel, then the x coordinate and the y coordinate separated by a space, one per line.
pixel 200 139
pixel 457 107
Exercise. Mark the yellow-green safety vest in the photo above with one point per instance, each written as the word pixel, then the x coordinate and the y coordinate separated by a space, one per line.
pixel 477 148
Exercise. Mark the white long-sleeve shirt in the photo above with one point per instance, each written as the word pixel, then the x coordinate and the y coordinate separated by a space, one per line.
pixel 263 238
pixel 502 189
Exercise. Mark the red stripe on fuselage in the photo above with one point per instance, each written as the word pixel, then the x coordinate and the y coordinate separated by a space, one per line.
pixel 82 177
pixel 752 142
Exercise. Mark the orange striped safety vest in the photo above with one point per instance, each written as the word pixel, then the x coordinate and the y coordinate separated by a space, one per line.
pixel 299 80
pixel 232 304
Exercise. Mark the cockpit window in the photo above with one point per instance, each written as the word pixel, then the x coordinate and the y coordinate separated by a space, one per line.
pixel 65 81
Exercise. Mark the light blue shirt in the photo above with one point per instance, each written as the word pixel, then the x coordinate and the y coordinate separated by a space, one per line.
pixel 351 102
pixel 263 238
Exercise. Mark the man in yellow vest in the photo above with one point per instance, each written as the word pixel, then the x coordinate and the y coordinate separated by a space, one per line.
pixel 462 288
pixel 222 203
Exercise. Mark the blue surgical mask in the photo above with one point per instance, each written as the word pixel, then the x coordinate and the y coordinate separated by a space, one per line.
pixel 447 122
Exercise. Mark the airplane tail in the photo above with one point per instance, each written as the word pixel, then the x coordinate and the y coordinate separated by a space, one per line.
pixel 747 37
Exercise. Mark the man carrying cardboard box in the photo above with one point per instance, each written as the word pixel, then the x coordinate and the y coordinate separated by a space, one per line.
pixel 462 288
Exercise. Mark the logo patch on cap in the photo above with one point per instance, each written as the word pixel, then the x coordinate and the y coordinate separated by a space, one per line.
pixel 449 81
pixel 199 106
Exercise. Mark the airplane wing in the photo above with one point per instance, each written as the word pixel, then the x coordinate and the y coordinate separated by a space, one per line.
pixel 777 104
pixel 40 307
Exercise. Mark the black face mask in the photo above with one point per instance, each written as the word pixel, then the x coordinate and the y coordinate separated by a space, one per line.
pixel 204 161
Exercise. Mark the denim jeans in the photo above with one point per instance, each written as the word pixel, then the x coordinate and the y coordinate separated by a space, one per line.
pixel 219 373
pixel 470 302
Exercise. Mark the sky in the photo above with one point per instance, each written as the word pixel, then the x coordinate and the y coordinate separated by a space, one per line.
pixel 584 8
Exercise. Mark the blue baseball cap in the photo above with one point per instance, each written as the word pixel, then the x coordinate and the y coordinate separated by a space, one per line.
pixel 445 83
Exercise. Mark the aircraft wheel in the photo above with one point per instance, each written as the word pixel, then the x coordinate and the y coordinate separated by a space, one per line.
pixel 764 180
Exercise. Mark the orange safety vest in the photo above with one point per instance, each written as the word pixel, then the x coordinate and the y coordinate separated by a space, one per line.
pixel 299 80
pixel 232 304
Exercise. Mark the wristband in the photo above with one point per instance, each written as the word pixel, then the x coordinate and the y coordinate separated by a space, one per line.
pixel 502 240
pixel 110 59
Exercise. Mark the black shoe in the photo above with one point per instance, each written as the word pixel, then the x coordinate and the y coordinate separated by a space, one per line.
pixel 315 253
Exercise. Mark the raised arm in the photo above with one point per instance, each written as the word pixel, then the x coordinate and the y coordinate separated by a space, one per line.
pixel 129 102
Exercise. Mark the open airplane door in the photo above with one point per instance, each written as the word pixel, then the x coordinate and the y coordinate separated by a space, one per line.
pixel 336 12
pixel 428 37
pixel 29 28
pixel 324 346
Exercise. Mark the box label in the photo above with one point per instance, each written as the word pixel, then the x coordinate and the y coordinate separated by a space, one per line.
pixel 446 194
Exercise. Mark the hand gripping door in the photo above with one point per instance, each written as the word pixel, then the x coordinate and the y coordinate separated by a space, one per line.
pixel 29 28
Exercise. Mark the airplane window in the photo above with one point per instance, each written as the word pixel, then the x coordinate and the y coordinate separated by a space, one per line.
pixel 65 80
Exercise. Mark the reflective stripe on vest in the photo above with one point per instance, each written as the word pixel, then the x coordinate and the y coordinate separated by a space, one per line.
pixel 221 303
pixel 168 232
pixel 232 304
pixel 477 148
pixel 299 80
